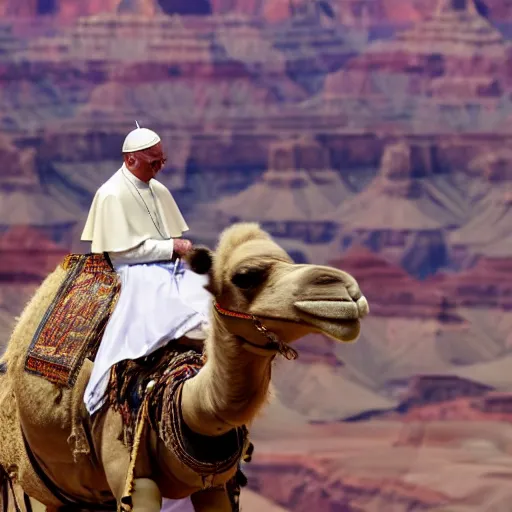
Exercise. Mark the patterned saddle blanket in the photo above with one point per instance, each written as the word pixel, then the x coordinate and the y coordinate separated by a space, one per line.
pixel 73 325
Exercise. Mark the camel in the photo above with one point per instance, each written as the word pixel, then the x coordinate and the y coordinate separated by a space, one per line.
pixel 262 302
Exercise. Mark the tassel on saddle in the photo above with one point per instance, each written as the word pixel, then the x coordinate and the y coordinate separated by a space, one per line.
pixel 235 485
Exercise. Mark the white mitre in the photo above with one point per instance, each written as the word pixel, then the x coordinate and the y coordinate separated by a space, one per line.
pixel 139 139
pixel 119 219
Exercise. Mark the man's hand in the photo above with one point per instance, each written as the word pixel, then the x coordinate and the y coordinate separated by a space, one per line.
pixel 182 246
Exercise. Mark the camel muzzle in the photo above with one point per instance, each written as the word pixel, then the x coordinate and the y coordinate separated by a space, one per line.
pixel 335 309
pixel 337 319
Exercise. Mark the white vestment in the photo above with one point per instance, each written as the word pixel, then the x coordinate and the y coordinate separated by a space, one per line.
pixel 119 219
pixel 160 300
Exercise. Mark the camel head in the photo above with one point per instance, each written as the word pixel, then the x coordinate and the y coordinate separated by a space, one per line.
pixel 252 277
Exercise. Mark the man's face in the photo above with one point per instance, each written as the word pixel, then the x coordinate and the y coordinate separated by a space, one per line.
pixel 150 162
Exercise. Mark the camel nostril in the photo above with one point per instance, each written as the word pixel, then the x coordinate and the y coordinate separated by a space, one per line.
pixel 326 280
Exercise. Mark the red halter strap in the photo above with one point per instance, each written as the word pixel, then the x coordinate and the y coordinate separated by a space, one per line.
pixel 273 344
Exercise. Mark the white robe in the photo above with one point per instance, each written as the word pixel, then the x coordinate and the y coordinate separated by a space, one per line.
pixel 119 220
pixel 160 300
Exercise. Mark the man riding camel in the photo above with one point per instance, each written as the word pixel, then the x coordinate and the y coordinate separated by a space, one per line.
pixel 135 221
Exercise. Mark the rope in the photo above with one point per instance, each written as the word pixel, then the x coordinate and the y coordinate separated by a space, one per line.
pixel 126 500
pixel 6 484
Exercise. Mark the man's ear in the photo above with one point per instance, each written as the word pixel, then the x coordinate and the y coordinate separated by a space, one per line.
pixel 131 161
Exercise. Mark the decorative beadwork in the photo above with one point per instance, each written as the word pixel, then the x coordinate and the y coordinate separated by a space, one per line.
pixel 234 314
pixel 160 390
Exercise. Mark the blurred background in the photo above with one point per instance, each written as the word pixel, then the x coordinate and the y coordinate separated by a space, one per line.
pixel 372 135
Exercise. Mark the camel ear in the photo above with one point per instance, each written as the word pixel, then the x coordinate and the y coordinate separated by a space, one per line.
pixel 200 260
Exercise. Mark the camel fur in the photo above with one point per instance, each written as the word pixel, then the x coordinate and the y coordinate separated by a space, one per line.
pixel 86 457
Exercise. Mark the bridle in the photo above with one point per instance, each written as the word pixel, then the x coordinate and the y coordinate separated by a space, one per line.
pixel 273 343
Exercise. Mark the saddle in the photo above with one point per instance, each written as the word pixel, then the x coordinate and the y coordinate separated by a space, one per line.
pixel 73 326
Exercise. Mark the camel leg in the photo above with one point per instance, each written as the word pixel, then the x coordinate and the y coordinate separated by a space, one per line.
pixel 211 500
pixel 37 506
pixel 115 457
pixel 146 496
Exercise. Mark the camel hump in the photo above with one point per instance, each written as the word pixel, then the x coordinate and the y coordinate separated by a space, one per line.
pixel 72 327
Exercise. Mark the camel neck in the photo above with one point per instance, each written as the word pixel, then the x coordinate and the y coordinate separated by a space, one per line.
pixel 230 389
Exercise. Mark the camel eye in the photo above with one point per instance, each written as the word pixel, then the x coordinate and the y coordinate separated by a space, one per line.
pixel 249 278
